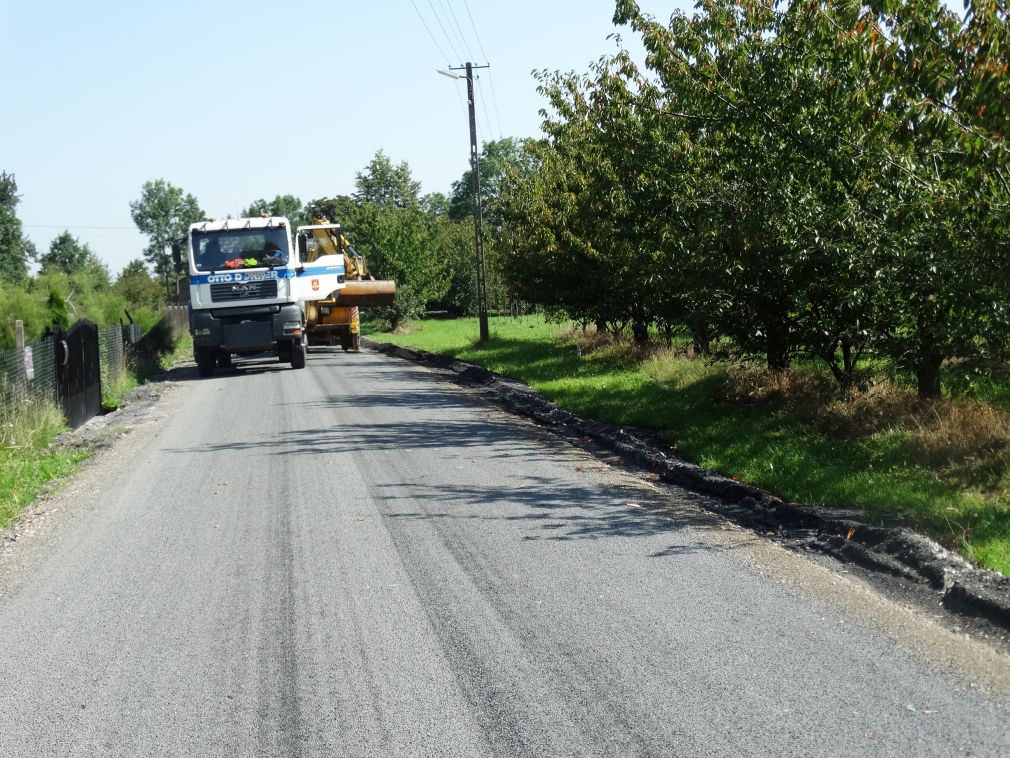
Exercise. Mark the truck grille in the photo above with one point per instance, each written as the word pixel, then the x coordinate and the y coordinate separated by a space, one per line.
pixel 232 291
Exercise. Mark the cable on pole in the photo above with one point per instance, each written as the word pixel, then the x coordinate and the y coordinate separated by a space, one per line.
pixel 494 96
pixel 459 31
pixel 444 33
pixel 438 46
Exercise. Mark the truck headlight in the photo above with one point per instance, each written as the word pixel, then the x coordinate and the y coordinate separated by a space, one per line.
pixel 201 332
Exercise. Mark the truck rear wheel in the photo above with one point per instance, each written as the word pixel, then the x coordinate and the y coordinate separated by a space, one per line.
pixel 298 355
pixel 224 360
pixel 206 360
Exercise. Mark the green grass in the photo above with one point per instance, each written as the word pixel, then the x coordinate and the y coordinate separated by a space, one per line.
pixel 182 351
pixel 114 393
pixel 683 400
pixel 27 466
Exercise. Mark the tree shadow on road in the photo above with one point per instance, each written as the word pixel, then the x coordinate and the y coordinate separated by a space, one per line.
pixel 560 511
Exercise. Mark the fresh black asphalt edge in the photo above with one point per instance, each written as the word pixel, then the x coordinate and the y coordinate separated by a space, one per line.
pixel 896 551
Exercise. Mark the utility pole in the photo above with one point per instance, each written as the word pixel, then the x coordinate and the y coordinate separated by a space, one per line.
pixel 478 213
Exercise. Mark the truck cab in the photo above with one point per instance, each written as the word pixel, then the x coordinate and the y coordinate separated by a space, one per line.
pixel 247 290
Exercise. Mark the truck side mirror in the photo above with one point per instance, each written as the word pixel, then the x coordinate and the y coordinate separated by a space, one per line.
pixel 177 254
pixel 303 248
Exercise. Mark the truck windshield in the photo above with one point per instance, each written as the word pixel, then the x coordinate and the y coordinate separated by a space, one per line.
pixel 240 248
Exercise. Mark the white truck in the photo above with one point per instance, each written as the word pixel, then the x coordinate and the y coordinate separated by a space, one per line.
pixel 247 289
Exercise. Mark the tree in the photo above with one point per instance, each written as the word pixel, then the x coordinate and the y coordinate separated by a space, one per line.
pixel 394 233
pixel 164 213
pixel 14 248
pixel 398 244
pixel 864 186
pixel 494 157
pixel 340 209
pixel 288 206
pixel 67 253
pixel 435 204
pixel 382 183
pixel 136 286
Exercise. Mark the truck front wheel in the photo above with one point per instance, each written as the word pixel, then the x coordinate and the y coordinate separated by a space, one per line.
pixel 298 355
pixel 206 360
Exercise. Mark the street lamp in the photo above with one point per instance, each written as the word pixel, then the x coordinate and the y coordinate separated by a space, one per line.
pixel 477 211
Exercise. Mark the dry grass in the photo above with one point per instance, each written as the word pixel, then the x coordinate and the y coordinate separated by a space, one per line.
pixel 799 391
pixel 951 431
pixel 965 439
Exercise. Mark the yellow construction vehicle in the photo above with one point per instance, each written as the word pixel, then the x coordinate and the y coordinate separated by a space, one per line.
pixel 334 318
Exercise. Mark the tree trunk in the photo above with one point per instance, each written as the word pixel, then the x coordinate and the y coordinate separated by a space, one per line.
pixel 701 340
pixel 848 362
pixel 640 331
pixel 927 377
pixel 778 346
pixel 601 326
pixel 836 371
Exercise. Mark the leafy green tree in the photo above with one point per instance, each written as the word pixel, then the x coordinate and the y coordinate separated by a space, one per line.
pixel 68 254
pixel 136 286
pixel 581 209
pixel 59 316
pixel 340 209
pixel 14 247
pixel 164 213
pixel 454 244
pixel 864 185
pixel 494 157
pixel 17 303
pixel 395 235
pixel 383 183
pixel 282 205
pixel 435 204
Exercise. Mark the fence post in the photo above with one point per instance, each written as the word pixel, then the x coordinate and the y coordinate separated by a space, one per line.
pixel 21 370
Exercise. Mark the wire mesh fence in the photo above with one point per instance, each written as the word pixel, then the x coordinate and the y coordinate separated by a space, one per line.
pixel 115 346
pixel 28 375
pixel 31 375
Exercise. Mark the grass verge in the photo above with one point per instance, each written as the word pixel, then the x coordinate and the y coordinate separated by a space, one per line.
pixel 27 464
pixel 941 469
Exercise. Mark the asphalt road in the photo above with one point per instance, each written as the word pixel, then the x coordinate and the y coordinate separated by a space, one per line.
pixel 362 559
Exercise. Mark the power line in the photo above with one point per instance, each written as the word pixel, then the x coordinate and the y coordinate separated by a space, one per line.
pixel 440 51
pixel 474 26
pixel 439 20
pixel 462 37
pixel 487 119
pixel 76 226
pixel 494 95
pixel 460 98
pixel 494 101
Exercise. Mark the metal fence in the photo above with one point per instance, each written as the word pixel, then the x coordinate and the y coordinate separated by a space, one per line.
pixel 31 375
pixel 28 375
pixel 115 346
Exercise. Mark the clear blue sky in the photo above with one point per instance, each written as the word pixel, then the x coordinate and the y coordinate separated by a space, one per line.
pixel 234 101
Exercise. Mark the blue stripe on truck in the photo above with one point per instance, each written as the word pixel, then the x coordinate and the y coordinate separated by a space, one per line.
pixel 257 276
